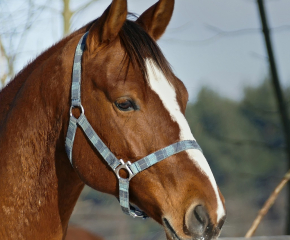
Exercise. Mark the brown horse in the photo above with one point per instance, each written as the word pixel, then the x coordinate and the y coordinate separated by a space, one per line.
pixel 133 102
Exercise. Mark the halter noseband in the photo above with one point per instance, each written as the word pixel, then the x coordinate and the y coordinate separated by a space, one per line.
pixel 109 157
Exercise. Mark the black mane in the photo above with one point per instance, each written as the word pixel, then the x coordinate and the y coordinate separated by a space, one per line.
pixel 139 46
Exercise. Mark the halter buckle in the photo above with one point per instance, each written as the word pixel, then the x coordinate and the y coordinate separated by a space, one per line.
pixel 126 166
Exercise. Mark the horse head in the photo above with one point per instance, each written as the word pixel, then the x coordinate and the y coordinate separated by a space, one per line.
pixel 136 105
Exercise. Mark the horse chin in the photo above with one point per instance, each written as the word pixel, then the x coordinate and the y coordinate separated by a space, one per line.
pixel 171 234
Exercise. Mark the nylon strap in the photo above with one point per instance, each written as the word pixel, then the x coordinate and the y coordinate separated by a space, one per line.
pixel 105 152
pixel 108 156
pixel 77 72
pixel 160 155
pixel 75 95
pixel 145 163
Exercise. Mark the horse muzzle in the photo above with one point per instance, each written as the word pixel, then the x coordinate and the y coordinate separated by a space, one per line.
pixel 197 226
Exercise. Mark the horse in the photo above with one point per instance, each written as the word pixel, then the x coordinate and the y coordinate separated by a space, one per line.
pixel 134 109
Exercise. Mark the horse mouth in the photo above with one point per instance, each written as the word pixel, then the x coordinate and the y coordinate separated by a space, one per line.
pixel 171 233
pixel 170 230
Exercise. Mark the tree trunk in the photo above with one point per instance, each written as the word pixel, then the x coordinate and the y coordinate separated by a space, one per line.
pixel 8 59
pixel 67 14
pixel 279 97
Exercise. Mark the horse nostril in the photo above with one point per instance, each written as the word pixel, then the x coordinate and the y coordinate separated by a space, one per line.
pixel 197 221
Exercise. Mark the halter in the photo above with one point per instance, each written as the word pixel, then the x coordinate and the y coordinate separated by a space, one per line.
pixel 108 156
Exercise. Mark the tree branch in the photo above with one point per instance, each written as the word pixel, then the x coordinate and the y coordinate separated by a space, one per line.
pixel 268 204
pixel 81 8
pixel 223 33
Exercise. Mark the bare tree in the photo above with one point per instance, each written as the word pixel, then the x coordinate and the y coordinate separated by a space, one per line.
pixel 4 61
pixel 14 29
pixel 68 13
pixel 17 23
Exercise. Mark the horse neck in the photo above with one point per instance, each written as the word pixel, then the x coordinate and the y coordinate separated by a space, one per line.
pixel 37 181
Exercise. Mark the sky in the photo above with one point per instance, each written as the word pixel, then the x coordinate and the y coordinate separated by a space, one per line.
pixel 199 54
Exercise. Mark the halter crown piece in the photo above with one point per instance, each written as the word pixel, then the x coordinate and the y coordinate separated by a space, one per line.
pixel 109 157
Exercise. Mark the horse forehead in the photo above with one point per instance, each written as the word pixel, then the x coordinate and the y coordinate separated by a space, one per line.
pixel 119 73
pixel 169 89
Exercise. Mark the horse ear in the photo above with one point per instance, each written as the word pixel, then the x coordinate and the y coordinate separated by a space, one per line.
pixel 156 18
pixel 106 28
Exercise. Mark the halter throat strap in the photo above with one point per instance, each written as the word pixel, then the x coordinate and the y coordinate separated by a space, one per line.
pixel 115 164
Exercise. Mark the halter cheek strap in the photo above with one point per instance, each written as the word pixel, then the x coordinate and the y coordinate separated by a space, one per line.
pixel 108 156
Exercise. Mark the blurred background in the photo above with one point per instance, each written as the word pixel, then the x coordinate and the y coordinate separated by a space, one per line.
pixel 217 48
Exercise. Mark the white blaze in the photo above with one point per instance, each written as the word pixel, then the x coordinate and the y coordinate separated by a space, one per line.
pixel 166 92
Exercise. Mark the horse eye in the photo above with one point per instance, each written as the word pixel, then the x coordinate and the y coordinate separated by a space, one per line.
pixel 125 105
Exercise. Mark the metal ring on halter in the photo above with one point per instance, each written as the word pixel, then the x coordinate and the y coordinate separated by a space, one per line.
pixel 138 213
pixel 80 107
pixel 125 166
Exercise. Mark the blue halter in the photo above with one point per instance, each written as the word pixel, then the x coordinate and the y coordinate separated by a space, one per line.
pixel 109 157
